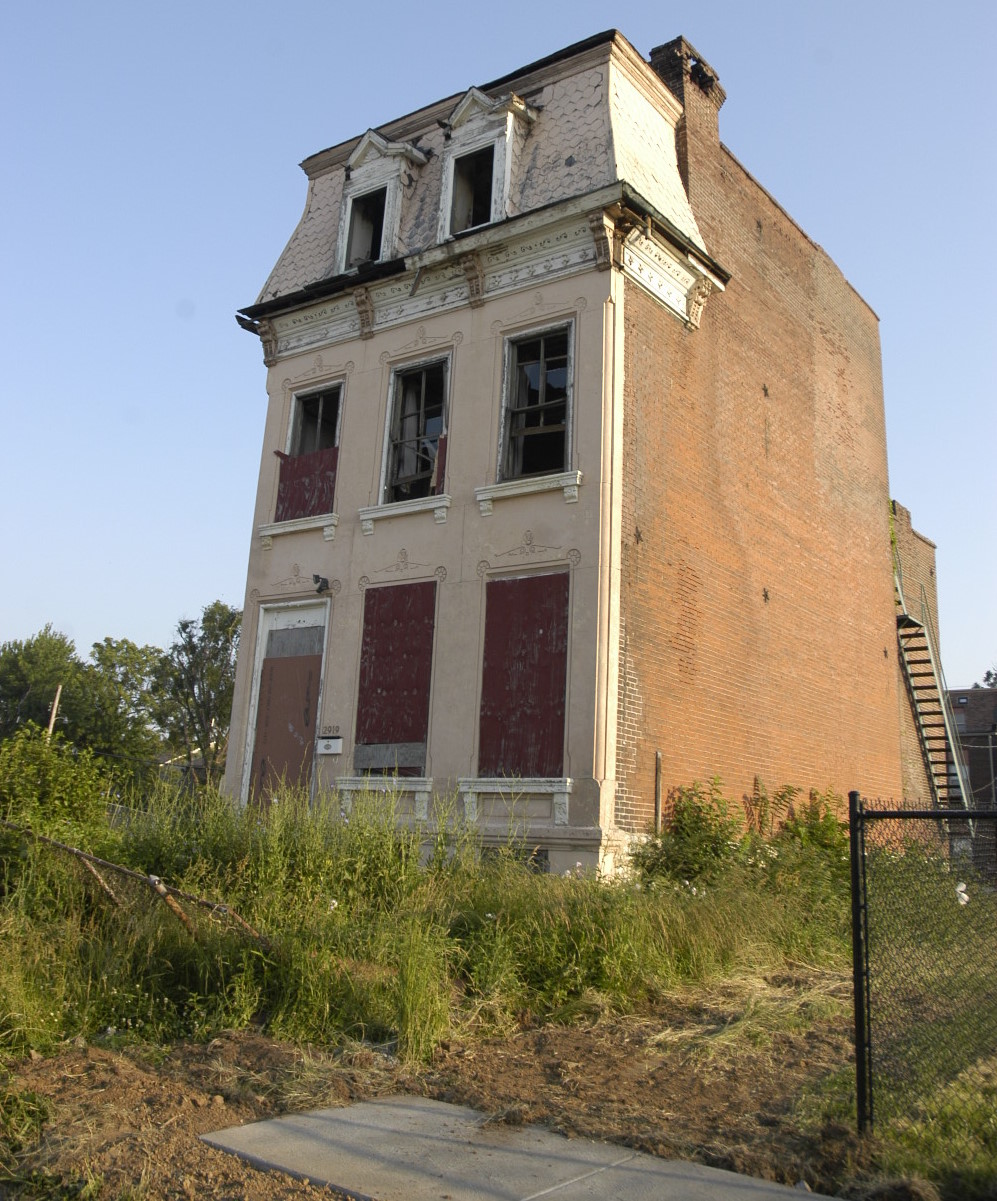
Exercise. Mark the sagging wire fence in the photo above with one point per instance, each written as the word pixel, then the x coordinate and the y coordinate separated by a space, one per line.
pixel 122 887
pixel 924 918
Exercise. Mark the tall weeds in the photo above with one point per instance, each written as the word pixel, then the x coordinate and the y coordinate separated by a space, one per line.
pixel 370 928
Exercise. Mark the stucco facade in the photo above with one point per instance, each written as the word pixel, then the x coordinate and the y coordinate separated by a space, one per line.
pixel 547 362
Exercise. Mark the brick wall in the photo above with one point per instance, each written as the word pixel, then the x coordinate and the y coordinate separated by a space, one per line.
pixel 758 633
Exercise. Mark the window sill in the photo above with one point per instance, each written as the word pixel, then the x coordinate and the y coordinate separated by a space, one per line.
pixel 567 481
pixel 421 788
pixel 559 789
pixel 326 522
pixel 437 505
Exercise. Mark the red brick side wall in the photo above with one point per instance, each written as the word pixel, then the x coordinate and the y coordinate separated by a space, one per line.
pixel 758 632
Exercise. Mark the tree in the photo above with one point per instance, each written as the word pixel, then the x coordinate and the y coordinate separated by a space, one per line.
pixel 105 704
pixel 120 677
pixel 193 686
pixel 989 678
pixel 30 674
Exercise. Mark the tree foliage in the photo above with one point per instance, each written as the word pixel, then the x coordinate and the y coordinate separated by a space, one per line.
pixel 128 703
pixel 193 686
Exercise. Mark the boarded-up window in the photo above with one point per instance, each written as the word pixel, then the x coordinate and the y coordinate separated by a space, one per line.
pixel 524 676
pixel 307 485
pixel 286 710
pixel 396 660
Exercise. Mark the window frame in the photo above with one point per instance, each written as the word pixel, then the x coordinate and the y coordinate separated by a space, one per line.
pixel 376 164
pixel 354 264
pixel 298 399
pixel 398 373
pixel 509 368
pixel 290 459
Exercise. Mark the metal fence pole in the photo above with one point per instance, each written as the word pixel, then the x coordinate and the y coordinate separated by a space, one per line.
pixel 863 1091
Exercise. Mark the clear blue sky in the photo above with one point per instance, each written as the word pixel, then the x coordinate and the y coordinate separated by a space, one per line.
pixel 150 180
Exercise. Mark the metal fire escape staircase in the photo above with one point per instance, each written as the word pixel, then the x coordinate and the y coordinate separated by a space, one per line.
pixel 933 715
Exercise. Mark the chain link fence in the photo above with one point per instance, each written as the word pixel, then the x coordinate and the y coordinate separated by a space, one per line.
pixel 924 916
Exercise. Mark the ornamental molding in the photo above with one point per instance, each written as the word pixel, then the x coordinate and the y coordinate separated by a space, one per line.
pixel 365 311
pixel 326 522
pixel 648 264
pixel 670 280
pixel 269 341
pixel 696 300
pixel 528 548
pixel 536 256
pixel 401 565
pixel 437 505
pixel 567 482
pixel 421 342
pixel 474 273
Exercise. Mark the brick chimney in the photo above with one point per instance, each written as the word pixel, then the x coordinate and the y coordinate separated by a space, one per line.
pixel 694 83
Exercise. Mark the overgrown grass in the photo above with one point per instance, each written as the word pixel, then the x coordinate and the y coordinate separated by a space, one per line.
pixel 376 931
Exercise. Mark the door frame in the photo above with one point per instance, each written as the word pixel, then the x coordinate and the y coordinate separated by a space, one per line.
pixel 283 615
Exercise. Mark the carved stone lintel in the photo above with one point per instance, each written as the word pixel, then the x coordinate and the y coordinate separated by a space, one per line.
pixel 602 234
pixel 365 311
pixel 268 337
pixel 696 299
pixel 474 273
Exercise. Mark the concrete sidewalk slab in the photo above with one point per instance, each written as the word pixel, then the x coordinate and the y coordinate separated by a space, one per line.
pixel 414 1149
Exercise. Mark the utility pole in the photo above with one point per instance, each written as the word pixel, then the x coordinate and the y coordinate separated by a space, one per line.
pixel 55 710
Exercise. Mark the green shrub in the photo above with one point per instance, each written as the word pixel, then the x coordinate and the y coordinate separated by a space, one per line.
pixel 53 787
pixel 699 841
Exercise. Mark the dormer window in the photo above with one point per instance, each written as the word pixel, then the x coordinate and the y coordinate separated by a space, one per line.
pixel 476 163
pixel 366 237
pixel 371 210
pixel 472 190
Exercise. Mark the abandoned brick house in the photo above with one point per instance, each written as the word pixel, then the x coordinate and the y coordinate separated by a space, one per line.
pixel 575 453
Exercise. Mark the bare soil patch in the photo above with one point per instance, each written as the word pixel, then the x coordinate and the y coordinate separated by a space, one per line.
pixel 716 1076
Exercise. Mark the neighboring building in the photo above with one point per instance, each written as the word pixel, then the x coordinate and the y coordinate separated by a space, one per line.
pixel 575 453
pixel 976 720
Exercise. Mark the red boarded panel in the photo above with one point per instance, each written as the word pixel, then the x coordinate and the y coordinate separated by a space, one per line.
pixel 396 661
pixel 307 484
pixel 524 676
pixel 285 722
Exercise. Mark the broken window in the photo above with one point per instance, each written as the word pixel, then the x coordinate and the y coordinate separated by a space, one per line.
pixel 417 439
pixel 472 190
pixel 308 470
pixel 523 679
pixel 396 658
pixel 366 228
pixel 537 404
